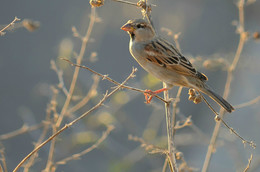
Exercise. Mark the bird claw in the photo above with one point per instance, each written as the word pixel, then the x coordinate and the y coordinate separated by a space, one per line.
pixel 149 94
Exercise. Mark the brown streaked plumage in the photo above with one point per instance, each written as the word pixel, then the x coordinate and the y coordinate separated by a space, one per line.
pixel 160 58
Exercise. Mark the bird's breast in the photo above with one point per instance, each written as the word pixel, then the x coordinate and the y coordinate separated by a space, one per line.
pixel 160 72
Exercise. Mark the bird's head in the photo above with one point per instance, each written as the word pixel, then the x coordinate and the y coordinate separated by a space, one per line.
pixel 139 30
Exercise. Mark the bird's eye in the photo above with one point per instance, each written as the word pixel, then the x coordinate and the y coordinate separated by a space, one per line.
pixel 140 26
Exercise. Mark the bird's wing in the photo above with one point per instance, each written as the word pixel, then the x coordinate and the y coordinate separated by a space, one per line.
pixel 163 53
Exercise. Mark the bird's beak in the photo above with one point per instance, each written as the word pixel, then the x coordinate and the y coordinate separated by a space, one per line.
pixel 128 27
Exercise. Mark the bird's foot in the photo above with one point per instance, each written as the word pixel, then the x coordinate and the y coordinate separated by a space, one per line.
pixel 150 94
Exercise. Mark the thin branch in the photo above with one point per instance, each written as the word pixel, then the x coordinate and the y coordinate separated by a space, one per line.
pixel 152 149
pixel 53 108
pixel 51 151
pixel 76 71
pixel 170 117
pixel 219 118
pixel 72 86
pixel 130 3
pixel 186 123
pixel 126 2
pixel 3 160
pixel 184 166
pixel 90 94
pixel 255 165
pixel 94 146
pixel 9 25
pixel 176 40
pixel 170 123
pixel 1 168
pixel 24 129
pixel 241 43
pixel 249 103
pixel 207 103
pixel 50 108
pixel 196 129
pixel 60 77
pixel 176 101
pixel 165 164
pixel 111 80
pixel 250 143
pixel 66 126
pixel 249 163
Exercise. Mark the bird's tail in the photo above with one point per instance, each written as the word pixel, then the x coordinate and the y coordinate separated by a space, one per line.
pixel 222 102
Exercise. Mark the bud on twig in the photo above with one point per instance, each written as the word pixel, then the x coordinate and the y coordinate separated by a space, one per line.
pixel 96 3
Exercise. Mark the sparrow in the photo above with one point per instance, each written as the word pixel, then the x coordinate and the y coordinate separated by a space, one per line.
pixel 161 59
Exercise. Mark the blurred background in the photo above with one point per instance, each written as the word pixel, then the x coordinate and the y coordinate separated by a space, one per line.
pixel 207 33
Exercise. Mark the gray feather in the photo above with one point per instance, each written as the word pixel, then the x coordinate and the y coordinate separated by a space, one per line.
pixel 217 98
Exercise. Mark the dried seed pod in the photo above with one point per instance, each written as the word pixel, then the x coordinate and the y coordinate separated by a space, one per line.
pixel 192 92
pixel 217 118
pixel 96 3
pixel 142 4
pixel 197 99
pixel 191 98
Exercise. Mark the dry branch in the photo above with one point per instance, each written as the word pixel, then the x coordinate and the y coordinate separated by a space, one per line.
pixel 66 126
pixel 94 146
pixel 232 67
pixel 24 129
pixel 3 160
pixel 76 71
pixel 249 103
pixel 111 80
pixel 249 163
pixel 9 25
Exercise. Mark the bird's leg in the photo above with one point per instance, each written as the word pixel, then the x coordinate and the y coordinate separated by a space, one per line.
pixel 150 94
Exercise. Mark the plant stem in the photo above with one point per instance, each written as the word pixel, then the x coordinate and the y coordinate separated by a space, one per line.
pixel 170 121
pixel 231 69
